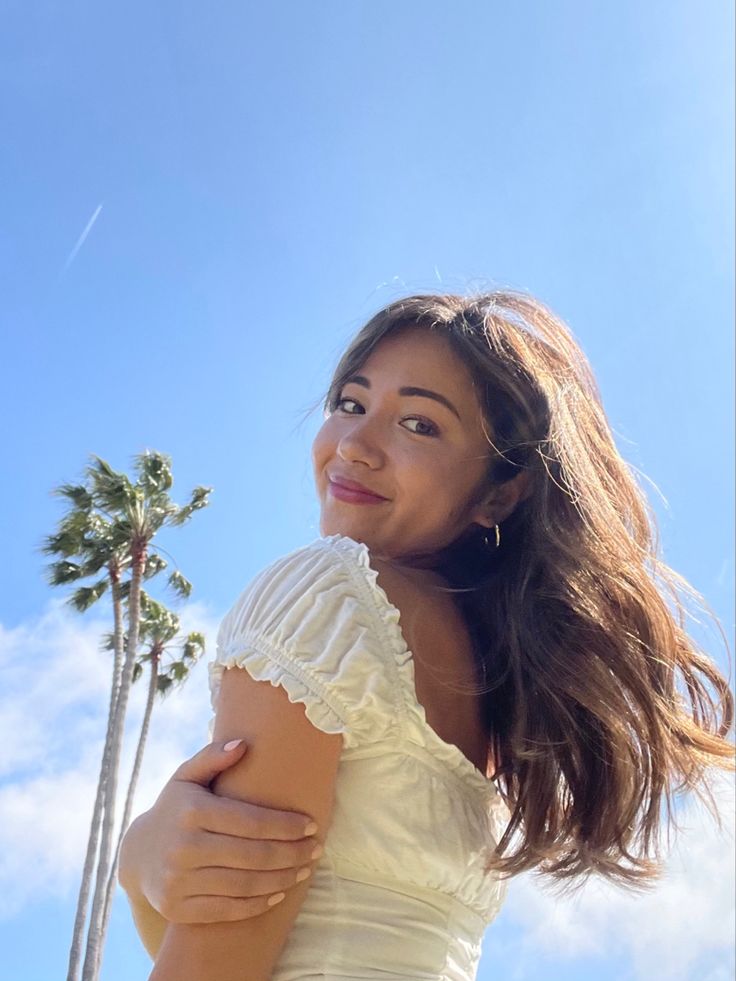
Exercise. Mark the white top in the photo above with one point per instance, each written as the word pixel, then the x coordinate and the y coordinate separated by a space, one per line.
pixel 400 891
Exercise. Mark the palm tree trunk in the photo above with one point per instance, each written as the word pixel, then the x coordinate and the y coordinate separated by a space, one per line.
pixel 152 689
pixel 89 862
pixel 100 797
pixel 91 957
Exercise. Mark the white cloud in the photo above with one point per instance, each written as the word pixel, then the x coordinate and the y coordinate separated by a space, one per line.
pixel 667 934
pixel 53 716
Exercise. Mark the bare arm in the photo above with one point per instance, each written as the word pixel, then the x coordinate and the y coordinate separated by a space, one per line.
pixel 195 857
pixel 150 924
pixel 292 765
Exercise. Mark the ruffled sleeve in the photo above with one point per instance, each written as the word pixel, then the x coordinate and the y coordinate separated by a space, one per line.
pixel 304 624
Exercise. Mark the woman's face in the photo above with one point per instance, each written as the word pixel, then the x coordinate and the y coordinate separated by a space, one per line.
pixel 427 458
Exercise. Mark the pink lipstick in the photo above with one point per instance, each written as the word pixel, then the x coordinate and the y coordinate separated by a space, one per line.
pixel 351 496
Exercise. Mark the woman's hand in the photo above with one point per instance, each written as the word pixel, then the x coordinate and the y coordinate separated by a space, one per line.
pixel 196 857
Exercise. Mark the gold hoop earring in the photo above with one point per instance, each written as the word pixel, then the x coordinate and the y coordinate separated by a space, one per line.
pixel 498 538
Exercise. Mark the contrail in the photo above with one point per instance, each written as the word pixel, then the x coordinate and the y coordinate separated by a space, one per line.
pixel 82 238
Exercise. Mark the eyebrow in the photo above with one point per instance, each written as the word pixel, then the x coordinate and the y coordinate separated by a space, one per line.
pixel 409 390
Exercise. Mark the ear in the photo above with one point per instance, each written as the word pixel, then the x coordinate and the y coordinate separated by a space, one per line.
pixel 503 499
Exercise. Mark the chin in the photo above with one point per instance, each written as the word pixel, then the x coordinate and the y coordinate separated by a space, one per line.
pixel 333 526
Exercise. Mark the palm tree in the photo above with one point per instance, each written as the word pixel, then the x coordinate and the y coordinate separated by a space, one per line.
pixel 158 627
pixel 91 536
pixel 111 527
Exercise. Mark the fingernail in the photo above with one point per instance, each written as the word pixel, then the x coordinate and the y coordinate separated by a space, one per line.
pixel 317 851
pixel 233 744
pixel 311 829
pixel 276 899
pixel 303 874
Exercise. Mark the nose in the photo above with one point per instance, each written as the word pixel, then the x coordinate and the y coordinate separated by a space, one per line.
pixel 360 443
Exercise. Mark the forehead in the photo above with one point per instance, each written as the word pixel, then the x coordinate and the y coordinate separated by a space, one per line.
pixel 419 356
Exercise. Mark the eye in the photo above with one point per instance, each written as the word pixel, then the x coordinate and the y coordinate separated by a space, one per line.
pixel 433 430
pixel 339 402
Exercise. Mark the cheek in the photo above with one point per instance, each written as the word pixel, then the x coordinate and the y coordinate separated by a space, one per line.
pixel 321 441
pixel 430 480
pixel 448 486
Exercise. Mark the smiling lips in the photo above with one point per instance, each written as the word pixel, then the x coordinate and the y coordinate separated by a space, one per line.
pixel 352 492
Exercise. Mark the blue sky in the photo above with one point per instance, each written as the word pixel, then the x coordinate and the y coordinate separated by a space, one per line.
pixel 255 181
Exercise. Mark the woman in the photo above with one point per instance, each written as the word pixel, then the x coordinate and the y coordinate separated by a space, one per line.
pixel 473 672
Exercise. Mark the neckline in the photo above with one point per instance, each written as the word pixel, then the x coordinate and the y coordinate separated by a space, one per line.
pixel 449 751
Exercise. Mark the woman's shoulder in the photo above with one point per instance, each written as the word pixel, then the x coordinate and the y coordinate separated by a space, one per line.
pixel 307 621
pixel 325 563
pixel 327 585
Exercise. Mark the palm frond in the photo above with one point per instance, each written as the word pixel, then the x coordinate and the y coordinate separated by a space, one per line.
pixel 63 543
pixel 151 609
pixel 154 472
pixel 193 646
pixel 158 625
pixel 163 684
pixel 160 509
pixel 82 598
pixel 99 525
pixel 199 500
pixel 76 493
pixel 62 573
pixel 96 560
pixel 181 586
pixel 178 670
pixel 110 489
pixel 70 537
pixel 107 641
pixel 154 564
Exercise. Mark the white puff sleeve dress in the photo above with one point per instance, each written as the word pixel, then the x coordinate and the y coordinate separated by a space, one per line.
pixel 401 891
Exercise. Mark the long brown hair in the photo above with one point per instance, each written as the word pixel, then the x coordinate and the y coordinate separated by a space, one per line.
pixel 599 707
